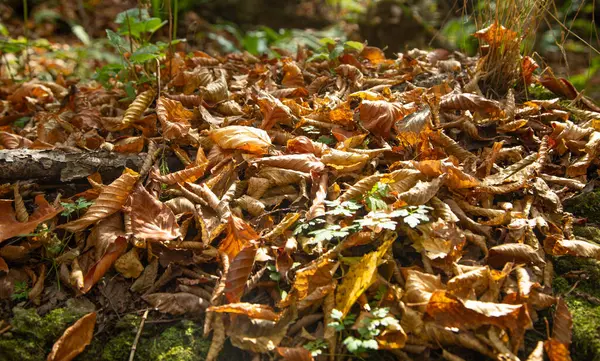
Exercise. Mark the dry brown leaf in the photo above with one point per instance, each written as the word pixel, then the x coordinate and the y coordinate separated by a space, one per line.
pixel 177 303
pixel 239 271
pixel 562 329
pixel 129 145
pixel 74 339
pixel 105 232
pixel 273 111
pixel 111 200
pixel 513 252
pixel 449 311
pixel 10 227
pixel 472 102
pixel 150 218
pixel 299 162
pixel 292 75
pixel 174 118
pixel 379 116
pixel 146 280
pixel 422 192
pixel 97 271
pixel 251 310
pixel 3 265
pixel 13 141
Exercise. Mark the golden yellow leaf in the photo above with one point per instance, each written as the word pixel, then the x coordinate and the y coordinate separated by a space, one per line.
pixel 129 264
pixel 360 276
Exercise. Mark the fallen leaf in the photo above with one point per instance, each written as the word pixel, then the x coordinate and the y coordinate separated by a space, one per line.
pixel 177 303
pixel 251 310
pixel 150 218
pixel 111 200
pixel 248 139
pixel 129 264
pixel 360 276
pixel 10 227
pixel 99 269
pixel 239 235
pixel 74 339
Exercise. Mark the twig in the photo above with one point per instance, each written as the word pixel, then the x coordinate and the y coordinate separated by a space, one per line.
pixel 3 330
pixel 137 336
pixel 170 38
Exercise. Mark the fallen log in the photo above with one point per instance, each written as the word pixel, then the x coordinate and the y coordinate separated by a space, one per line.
pixel 63 166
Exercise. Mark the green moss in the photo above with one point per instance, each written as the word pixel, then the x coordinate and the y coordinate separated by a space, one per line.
pixel 12 349
pixel 560 285
pixel 586 329
pixel 586 315
pixel 32 335
pixel 585 205
pixel 180 342
pixel 589 267
pixel 179 353
pixel 183 342
pixel 118 347
pixel 588 232
pixel 538 92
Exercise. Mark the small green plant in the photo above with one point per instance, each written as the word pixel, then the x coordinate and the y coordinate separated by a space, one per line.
pixel 331 49
pixel 132 42
pixel 78 205
pixel 368 328
pixel 330 232
pixel 414 215
pixel 374 199
pixel 316 347
pixel 306 226
pixel 273 274
pixel 346 209
pixel 20 291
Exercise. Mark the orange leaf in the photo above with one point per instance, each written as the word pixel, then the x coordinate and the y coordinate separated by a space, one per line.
pixel 97 271
pixel 556 350
pixel 74 339
pixel 292 75
pixel 239 270
pixel 110 200
pixel 129 145
pixel 449 311
pixel 239 234
pixel 10 227
pixel 374 55
pixel 262 312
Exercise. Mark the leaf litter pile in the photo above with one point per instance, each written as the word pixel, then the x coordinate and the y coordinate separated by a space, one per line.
pixel 315 209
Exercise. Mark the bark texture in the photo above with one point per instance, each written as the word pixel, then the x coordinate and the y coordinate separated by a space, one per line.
pixel 56 165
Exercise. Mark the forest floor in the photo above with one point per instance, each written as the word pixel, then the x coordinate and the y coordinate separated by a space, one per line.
pixel 316 204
